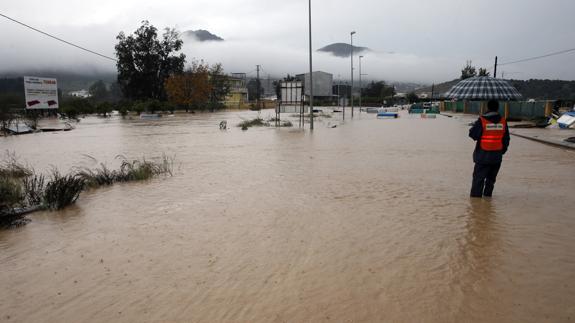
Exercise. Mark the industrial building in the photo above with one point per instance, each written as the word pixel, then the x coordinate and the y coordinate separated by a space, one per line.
pixel 322 85
pixel 238 90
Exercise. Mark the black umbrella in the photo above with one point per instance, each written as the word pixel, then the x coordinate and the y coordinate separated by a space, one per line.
pixel 483 88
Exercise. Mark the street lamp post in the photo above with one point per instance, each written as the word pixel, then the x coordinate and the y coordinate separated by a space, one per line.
pixel 351 96
pixel 360 88
pixel 338 98
pixel 310 74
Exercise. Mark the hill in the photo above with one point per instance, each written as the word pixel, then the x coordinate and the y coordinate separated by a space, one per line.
pixel 67 81
pixel 530 89
pixel 342 49
pixel 438 88
pixel 201 35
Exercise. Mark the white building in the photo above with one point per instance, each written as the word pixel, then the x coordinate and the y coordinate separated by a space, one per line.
pixel 322 84
pixel 84 94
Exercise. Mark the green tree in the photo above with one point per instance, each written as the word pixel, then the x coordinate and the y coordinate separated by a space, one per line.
pixel 104 108
pixel 379 90
pixel 219 86
pixel 75 107
pixel 115 92
pixel 145 62
pixel 483 72
pixel 468 71
pixel 412 97
pixel 98 91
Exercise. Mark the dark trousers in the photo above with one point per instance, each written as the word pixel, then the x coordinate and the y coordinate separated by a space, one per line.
pixel 484 179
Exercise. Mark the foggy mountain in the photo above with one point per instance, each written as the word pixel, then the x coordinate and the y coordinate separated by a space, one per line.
pixel 342 49
pixel 67 81
pixel 201 35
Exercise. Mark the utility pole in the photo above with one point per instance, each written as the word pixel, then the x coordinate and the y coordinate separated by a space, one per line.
pixel 258 87
pixel 360 88
pixel 269 86
pixel 344 97
pixel 351 95
pixel 432 90
pixel 495 70
pixel 338 98
pixel 310 74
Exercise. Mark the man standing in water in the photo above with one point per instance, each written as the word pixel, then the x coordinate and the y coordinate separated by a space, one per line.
pixel 492 136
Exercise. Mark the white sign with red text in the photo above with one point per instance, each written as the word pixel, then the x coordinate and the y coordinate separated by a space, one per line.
pixel 41 93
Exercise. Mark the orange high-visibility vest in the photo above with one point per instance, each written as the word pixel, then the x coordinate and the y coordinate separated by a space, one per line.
pixel 492 137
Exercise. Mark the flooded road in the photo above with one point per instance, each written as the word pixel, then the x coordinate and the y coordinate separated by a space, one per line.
pixel 367 222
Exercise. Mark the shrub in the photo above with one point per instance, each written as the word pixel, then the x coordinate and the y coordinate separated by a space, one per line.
pixel 137 170
pixel 104 108
pixel 72 108
pixel 62 191
pixel 98 177
pixel 34 189
pixel 10 193
pixel 12 168
pixel 257 122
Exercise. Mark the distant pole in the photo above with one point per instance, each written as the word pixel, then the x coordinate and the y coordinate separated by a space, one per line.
pixel 343 103
pixel 351 94
pixel 432 90
pixel 360 92
pixel 495 70
pixel 310 74
pixel 258 87
pixel 338 98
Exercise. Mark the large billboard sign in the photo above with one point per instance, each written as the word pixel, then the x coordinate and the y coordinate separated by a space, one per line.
pixel 291 92
pixel 41 93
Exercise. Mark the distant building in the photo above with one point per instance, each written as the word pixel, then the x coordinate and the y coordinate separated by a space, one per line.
pixel 238 90
pixel 322 84
pixel 84 94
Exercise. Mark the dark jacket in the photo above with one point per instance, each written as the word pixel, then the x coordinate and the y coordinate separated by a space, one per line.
pixel 481 156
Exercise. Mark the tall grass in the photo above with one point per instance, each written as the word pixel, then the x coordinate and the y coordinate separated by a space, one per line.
pixel 130 170
pixel 34 189
pixel 138 170
pixel 97 177
pixel 63 190
pixel 10 193
pixel 257 122
pixel 10 167
pixel 20 186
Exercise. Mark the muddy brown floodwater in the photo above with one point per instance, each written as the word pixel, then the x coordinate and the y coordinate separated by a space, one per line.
pixel 367 222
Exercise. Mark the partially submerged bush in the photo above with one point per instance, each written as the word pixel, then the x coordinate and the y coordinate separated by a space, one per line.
pixel 62 191
pixel 134 170
pixel 10 193
pixel 137 170
pixel 12 168
pixel 98 177
pixel 286 123
pixel 21 187
pixel 257 122
pixel 34 189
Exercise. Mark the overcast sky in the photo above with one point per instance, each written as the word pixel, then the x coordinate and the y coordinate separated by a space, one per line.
pixel 412 40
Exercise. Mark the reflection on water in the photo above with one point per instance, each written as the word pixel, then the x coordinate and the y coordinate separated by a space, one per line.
pixel 366 222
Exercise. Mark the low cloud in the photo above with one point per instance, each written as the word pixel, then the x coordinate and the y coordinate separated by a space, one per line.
pixel 277 61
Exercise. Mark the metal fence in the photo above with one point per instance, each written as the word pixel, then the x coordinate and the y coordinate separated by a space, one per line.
pixel 515 109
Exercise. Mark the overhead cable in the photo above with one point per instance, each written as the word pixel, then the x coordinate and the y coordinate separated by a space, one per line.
pixel 59 39
pixel 538 57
